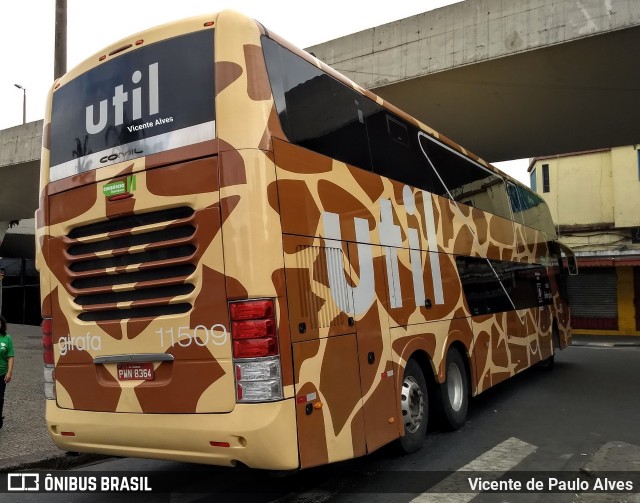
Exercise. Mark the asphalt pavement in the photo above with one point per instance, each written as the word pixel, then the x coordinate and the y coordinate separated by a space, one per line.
pixel 24 441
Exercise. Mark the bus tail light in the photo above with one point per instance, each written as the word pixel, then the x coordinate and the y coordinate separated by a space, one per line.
pixel 47 356
pixel 256 351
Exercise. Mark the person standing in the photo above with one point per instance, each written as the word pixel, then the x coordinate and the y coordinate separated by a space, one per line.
pixel 6 362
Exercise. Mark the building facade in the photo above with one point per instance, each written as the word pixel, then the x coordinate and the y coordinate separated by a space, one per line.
pixel 594 198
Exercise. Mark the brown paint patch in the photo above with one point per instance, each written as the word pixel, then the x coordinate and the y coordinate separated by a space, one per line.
pixel 464 241
pixel 500 231
pixel 369 340
pixel 90 386
pixel 312 439
pixel 210 305
pixel 340 380
pixel 53 250
pixel 227 73
pixel 45 308
pixel 335 199
pixel 379 408
pixel 235 289
pixel 445 221
pixel 369 182
pixel 120 207
pixel 72 182
pixel 60 324
pixel 178 385
pixel 70 205
pixel 232 168
pixel 137 326
pixel 258 87
pixel 482 226
pixel 299 160
pixel 194 177
pixel 298 211
pixel 112 328
pixel 482 374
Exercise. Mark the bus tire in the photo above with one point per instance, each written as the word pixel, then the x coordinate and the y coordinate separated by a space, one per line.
pixel 453 394
pixel 414 405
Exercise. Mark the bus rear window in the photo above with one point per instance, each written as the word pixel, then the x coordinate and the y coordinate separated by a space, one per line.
pixel 151 99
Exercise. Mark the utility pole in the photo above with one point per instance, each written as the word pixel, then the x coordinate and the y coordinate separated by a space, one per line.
pixel 60 57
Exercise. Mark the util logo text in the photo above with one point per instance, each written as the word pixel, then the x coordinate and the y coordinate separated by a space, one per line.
pixel 121 97
pixel 360 298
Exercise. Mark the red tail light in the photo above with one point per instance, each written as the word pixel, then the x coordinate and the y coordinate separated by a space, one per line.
pixel 252 310
pixel 253 329
pixel 255 348
pixel 256 351
pixel 47 342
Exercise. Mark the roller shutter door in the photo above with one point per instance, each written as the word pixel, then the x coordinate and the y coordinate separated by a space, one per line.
pixel 593 297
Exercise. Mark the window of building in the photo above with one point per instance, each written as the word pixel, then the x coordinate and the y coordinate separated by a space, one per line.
pixel 532 181
pixel 545 178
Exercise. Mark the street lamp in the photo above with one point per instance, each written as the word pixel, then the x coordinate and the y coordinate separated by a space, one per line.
pixel 24 102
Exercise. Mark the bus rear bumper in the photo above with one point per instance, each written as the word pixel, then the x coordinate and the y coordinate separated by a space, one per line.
pixel 257 435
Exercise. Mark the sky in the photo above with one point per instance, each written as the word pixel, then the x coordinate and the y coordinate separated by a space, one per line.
pixel 27 36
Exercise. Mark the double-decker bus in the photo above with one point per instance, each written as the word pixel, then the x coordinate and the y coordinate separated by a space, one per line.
pixel 247 258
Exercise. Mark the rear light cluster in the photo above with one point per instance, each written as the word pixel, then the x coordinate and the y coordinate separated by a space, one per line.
pixel 256 352
pixel 47 356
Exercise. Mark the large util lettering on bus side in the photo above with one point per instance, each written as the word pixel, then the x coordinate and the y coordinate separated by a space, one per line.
pixel 362 296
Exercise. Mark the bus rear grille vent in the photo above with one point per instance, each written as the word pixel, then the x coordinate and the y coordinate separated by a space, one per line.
pixel 134 266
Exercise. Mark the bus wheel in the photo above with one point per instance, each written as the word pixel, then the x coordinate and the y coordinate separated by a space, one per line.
pixel 453 394
pixel 414 403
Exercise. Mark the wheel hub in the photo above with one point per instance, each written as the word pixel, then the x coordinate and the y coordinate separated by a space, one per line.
pixel 412 401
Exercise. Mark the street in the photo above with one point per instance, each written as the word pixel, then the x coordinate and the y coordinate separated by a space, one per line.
pixel 581 416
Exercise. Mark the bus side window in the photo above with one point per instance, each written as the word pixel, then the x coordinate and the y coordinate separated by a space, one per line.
pixel 466 180
pixel 317 111
pixel 395 152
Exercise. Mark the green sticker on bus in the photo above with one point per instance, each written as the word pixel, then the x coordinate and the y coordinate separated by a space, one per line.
pixel 119 187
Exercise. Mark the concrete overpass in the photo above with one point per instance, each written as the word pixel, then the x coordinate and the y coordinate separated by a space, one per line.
pixel 19 177
pixel 505 79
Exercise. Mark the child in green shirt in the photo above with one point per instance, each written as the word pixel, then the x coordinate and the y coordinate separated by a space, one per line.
pixel 6 362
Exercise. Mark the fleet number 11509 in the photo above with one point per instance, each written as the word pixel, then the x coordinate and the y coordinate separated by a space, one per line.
pixel 186 336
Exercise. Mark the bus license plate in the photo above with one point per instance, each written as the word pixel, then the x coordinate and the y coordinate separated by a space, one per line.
pixel 135 371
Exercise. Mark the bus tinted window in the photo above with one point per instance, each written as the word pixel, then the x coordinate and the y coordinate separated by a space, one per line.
pixel 317 111
pixel 530 209
pixel 466 181
pixel 396 154
pixel 142 102
pixel 493 286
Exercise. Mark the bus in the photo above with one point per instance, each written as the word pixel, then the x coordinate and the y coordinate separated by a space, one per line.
pixel 246 258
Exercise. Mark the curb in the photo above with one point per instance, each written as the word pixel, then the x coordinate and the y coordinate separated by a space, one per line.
pixel 49 460
pixel 606 344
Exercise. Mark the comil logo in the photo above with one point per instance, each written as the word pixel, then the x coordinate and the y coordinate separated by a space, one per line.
pixel 121 98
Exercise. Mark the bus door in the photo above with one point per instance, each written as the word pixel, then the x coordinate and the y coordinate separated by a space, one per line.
pixel 343 371
pixel 377 372
pixel 325 353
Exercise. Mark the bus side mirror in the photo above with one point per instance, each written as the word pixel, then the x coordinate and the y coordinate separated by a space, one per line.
pixel 572 265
